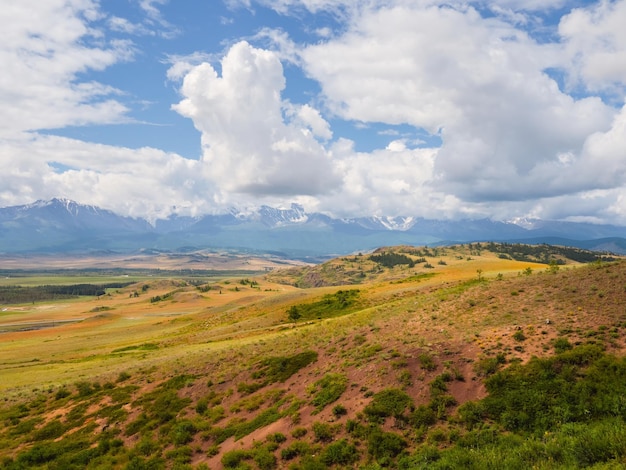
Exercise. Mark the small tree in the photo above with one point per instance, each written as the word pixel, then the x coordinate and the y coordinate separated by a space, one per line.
pixel 553 268
pixel 293 314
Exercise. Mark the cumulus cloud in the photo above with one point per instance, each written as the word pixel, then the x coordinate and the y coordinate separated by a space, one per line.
pixel 481 85
pixel 522 127
pixel 395 181
pixel 596 43
pixel 248 145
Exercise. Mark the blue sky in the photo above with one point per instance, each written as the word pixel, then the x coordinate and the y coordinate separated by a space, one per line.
pixel 503 109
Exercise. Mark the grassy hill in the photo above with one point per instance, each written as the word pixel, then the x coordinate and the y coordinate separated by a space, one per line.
pixel 473 356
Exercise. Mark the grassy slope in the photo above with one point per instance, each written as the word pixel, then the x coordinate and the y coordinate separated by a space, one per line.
pixel 406 328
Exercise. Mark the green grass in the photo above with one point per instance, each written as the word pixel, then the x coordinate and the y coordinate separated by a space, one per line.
pixel 328 390
pixel 331 305
pixel 280 368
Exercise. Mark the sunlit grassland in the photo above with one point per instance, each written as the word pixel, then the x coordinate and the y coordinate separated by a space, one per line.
pixel 165 373
pixel 192 325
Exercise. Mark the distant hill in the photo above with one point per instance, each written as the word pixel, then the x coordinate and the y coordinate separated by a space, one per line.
pixel 63 226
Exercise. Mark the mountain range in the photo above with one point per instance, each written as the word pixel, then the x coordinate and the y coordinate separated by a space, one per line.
pixel 64 226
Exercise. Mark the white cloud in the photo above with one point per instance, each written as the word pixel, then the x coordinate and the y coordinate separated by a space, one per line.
pixel 44 46
pixel 478 83
pixel 389 182
pixel 514 142
pixel 136 182
pixel 596 42
pixel 248 147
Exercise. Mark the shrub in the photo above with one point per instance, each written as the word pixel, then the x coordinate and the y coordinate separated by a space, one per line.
pixel 279 369
pixel 423 416
pixel 519 335
pixel 277 437
pixel 123 376
pixel 295 449
pixel 202 406
pixel 86 388
pixel 62 393
pixel 561 345
pixel 339 410
pixel 328 389
pixel 427 362
pixel 324 432
pixel 299 432
pixel 489 365
pixel 264 459
pixel 233 458
pixel 339 453
pixel 183 432
pixel 382 444
pixel 51 430
pixel 388 402
pixel 404 377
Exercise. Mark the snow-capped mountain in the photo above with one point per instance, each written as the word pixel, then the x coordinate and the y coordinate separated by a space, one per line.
pixel 61 225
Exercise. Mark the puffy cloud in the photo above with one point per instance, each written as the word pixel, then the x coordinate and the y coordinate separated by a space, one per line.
pixel 395 181
pixel 480 84
pixel 248 146
pixel 516 141
pixel 596 43
pixel 44 46
pixel 143 182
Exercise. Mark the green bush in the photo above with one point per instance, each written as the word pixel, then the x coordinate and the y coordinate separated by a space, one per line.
pixel 384 445
pixel 427 362
pixel 299 432
pixel 264 459
pixel 489 365
pixel 388 402
pixel 561 345
pixel 339 410
pixel 279 369
pixel 339 453
pixel 233 458
pixel 519 336
pixel 183 432
pixel 277 437
pixel 50 431
pixel 324 432
pixel 328 389
pixel 295 449
pixel 62 393
pixel 576 385
pixel 423 416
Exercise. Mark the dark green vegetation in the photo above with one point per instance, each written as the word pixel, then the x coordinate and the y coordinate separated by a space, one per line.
pixel 544 253
pixel 21 294
pixel 426 372
pixel 331 305
pixel 389 260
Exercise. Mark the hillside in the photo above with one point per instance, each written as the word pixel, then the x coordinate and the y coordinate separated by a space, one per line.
pixel 401 358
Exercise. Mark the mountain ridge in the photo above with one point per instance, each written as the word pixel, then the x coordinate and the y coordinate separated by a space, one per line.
pixel 62 225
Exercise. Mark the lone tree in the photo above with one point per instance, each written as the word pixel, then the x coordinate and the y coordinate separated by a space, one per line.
pixel 293 314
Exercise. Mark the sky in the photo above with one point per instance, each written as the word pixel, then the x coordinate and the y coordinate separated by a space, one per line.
pixel 507 109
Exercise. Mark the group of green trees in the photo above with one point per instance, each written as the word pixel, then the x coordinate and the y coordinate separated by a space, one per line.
pixel 25 294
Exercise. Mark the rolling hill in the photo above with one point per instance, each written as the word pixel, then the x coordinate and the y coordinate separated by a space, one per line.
pixel 470 356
